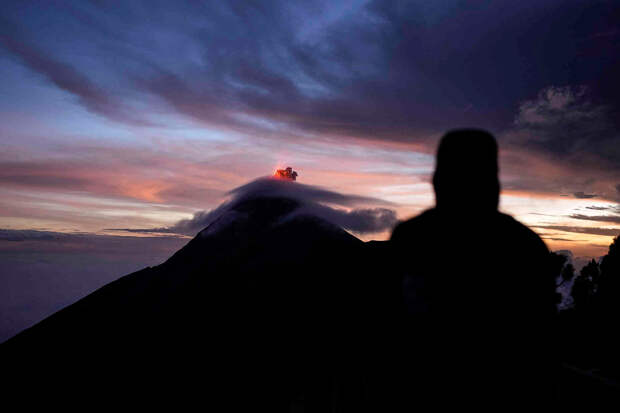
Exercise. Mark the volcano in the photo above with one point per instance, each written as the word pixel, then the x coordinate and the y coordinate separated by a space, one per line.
pixel 264 308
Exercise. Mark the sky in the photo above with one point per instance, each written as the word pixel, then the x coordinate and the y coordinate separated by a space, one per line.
pixel 138 115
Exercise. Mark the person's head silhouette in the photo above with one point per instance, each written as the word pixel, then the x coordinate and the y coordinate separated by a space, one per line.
pixel 466 172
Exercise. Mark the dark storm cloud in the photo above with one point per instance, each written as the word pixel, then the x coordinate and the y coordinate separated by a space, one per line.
pixel 386 70
pixel 565 122
pixel 567 143
pixel 381 70
pixel 66 77
pixel 312 202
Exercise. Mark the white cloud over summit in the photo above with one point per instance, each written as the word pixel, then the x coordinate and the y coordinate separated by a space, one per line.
pixel 337 208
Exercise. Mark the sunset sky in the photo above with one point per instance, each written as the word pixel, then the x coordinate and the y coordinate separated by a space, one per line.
pixel 141 114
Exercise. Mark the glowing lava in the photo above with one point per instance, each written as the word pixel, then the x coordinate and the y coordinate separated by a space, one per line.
pixel 287 174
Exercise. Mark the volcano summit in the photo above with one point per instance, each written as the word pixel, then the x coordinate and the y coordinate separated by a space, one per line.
pixel 268 307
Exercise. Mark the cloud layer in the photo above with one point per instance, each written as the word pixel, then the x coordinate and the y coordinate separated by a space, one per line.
pixel 373 69
pixel 44 271
pixel 542 77
pixel 313 201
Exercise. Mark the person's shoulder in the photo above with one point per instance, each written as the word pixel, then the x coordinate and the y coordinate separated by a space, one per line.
pixel 413 225
pixel 521 232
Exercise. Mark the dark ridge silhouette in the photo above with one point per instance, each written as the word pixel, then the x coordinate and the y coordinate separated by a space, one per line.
pixel 259 312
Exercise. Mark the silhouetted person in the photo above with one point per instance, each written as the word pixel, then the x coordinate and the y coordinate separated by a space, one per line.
pixel 478 298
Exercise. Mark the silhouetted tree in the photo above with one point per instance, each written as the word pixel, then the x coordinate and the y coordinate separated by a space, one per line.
pixel 590 327
pixel 591 271
pixel 608 289
pixel 556 264
pixel 584 286
pixel 610 274
pixel 568 273
pixel 607 312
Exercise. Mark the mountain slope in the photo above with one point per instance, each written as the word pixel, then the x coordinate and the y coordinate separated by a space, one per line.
pixel 262 308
